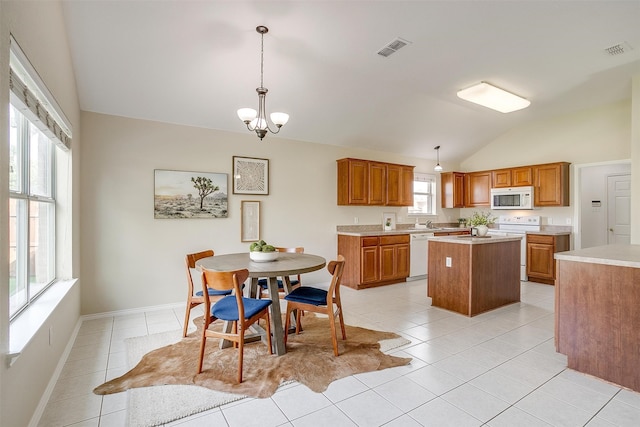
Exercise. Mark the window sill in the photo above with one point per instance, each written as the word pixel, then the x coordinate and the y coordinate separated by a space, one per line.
pixel 24 327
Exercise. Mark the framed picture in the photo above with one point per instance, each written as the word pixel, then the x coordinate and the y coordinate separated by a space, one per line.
pixel 389 221
pixel 179 194
pixel 250 221
pixel 250 176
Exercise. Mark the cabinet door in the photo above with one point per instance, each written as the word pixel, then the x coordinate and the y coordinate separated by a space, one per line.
pixel 540 263
pixel 402 261
pixel 377 183
pixel 501 178
pixel 353 182
pixel 478 189
pixel 395 191
pixel 521 176
pixel 452 189
pixel 551 183
pixel 407 186
pixel 369 266
pixel 387 262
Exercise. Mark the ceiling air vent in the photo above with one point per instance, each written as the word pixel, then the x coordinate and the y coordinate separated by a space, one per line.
pixel 618 49
pixel 393 47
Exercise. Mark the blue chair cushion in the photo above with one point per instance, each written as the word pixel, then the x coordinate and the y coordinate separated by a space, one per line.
pixel 308 295
pixel 214 292
pixel 264 283
pixel 227 307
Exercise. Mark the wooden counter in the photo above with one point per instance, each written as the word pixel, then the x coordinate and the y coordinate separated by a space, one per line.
pixel 597 312
pixel 471 275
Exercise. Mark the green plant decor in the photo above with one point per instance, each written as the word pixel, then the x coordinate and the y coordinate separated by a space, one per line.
pixel 480 218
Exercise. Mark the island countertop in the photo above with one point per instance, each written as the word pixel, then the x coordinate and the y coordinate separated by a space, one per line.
pixel 476 240
pixel 618 255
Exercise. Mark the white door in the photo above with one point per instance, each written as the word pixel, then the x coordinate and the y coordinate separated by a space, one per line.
pixel 619 209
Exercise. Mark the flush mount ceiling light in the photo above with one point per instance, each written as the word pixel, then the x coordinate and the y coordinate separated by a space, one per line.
pixel 257 121
pixel 437 168
pixel 492 97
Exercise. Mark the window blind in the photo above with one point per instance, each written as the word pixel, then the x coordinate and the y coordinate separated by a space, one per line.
pixel 34 100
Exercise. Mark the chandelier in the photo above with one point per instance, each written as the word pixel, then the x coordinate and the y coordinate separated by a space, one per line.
pixel 257 121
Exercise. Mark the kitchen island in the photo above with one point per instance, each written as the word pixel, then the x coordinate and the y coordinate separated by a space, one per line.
pixel 597 315
pixel 471 275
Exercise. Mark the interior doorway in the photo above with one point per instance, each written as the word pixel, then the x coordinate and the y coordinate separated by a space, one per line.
pixel 604 202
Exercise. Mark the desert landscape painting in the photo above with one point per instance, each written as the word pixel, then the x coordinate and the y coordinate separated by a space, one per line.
pixel 180 194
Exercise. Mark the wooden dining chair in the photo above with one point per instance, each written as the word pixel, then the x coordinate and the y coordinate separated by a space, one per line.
pixel 194 293
pixel 240 311
pixel 294 280
pixel 317 300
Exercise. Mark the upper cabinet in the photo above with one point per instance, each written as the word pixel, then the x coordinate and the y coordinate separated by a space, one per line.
pixel 477 189
pixel 452 189
pixel 551 184
pixel 364 182
pixel 512 177
pixel 473 189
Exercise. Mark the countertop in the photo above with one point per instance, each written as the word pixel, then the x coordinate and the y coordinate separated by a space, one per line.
pixel 376 230
pixel 618 255
pixel 476 240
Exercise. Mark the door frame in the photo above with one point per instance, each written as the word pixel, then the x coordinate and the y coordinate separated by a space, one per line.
pixel 576 199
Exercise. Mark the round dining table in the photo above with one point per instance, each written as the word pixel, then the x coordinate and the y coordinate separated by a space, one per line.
pixel 287 264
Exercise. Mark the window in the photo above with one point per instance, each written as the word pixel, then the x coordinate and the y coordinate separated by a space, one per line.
pixel 31 211
pixel 38 130
pixel 424 194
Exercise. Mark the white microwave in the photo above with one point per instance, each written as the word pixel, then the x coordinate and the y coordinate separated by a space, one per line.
pixel 512 198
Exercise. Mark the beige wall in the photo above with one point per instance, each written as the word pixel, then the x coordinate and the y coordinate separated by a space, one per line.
pixel 38 28
pixel 130 259
pixel 594 135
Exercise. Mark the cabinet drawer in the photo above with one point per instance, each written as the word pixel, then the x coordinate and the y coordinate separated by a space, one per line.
pixel 369 241
pixel 394 240
pixel 540 238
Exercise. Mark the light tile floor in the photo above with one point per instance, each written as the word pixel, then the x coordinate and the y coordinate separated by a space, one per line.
pixel 495 369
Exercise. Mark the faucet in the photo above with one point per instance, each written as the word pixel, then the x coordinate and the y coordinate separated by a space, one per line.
pixel 429 223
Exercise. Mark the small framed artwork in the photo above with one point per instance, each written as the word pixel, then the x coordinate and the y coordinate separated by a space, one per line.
pixel 181 194
pixel 250 175
pixel 250 221
pixel 389 221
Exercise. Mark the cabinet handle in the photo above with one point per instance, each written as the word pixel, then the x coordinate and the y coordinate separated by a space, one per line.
pixel 611 230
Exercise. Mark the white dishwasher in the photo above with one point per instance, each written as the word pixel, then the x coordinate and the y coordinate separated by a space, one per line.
pixel 419 254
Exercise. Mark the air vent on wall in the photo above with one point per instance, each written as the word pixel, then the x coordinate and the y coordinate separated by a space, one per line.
pixel 618 49
pixel 393 47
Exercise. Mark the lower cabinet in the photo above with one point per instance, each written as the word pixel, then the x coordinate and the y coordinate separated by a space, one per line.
pixel 541 265
pixel 374 260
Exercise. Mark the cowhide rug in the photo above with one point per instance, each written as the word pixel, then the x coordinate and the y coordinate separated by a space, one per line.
pixel 309 360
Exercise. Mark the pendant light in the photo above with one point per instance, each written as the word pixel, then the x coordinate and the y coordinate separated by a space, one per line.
pixel 257 121
pixel 438 168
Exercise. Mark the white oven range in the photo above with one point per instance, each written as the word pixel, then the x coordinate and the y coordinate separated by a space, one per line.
pixel 517 226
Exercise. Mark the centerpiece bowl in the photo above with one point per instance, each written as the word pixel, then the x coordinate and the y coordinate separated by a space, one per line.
pixel 257 256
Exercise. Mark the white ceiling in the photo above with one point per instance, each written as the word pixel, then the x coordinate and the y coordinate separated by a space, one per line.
pixel 196 62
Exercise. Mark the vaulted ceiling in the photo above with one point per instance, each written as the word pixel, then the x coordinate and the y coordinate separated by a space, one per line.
pixel 196 62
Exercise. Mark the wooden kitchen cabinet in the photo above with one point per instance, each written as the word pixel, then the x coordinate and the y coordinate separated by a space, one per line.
pixel 452 189
pixel 377 183
pixel 399 185
pixel 551 184
pixel 477 187
pixel 374 260
pixel 541 266
pixel 364 182
pixel 512 177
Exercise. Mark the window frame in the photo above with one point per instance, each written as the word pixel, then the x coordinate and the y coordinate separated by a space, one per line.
pixel 24 231
pixel 423 177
